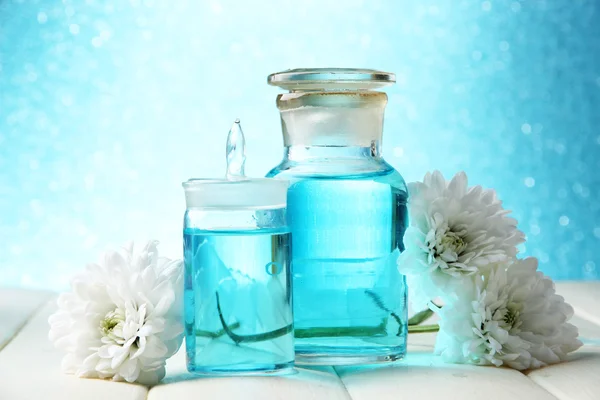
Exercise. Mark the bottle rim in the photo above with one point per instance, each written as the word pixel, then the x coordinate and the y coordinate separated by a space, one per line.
pixel 311 79
pixel 247 193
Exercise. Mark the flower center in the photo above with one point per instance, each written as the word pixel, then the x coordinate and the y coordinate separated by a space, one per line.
pixel 110 321
pixel 510 317
pixel 451 241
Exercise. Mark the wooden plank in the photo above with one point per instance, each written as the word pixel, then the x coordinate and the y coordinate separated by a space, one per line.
pixel 423 341
pixel 30 369
pixel 306 384
pixel 424 376
pixel 30 358
pixel 576 379
pixel 16 307
pixel 584 297
pixel 589 332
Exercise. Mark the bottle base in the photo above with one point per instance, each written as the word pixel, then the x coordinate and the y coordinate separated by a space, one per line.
pixel 325 355
pixel 243 369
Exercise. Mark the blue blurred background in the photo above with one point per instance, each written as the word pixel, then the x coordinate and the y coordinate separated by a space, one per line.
pixel 107 106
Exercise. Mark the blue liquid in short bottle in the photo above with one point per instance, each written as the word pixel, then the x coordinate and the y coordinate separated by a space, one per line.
pixel 238 301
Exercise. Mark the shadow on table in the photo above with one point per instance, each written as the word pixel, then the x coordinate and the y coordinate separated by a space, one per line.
pixel 298 373
pixel 415 360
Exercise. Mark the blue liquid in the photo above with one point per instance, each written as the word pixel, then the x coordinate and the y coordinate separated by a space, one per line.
pixel 238 315
pixel 349 298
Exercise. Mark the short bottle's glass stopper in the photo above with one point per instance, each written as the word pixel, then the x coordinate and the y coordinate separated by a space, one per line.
pixel 236 152
pixel 236 190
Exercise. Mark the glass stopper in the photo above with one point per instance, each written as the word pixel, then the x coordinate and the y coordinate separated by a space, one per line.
pixel 236 152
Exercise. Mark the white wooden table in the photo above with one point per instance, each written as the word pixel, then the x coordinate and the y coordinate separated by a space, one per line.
pixel 30 367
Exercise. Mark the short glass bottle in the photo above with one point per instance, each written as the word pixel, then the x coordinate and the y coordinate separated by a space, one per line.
pixel 238 310
pixel 347 213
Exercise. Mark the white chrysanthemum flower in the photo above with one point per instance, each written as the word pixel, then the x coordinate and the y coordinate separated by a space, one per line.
pixel 123 318
pixel 512 316
pixel 455 231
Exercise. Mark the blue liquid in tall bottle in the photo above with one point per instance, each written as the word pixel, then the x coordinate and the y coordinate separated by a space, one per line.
pixel 349 298
pixel 237 301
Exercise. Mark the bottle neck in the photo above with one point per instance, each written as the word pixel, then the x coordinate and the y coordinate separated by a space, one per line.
pixel 333 120
pixel 317 153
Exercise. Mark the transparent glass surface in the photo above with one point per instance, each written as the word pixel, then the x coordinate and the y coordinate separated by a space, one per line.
pixel 347 212
pixel 238 311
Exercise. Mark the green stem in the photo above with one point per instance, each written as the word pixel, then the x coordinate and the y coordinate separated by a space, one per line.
pixel 318 331
pixel 217 334
pixel 301 333
pixel 379 303
pixel 357 331
pixel 420 317
pixel 423 328
pixel 237 339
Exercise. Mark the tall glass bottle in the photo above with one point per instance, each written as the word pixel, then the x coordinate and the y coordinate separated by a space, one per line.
pixel 347 213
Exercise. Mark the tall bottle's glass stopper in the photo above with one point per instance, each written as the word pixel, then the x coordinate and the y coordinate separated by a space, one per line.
pixel 236 152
